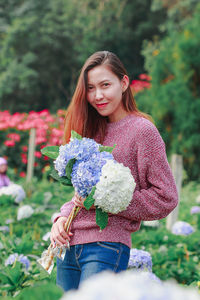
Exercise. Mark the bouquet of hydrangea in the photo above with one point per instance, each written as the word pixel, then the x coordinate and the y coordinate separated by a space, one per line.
pixel 91 169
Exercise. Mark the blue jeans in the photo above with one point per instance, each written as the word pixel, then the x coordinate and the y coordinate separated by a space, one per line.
pixel 82 261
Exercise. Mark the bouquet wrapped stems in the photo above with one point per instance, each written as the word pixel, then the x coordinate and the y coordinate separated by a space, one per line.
pixel 46 260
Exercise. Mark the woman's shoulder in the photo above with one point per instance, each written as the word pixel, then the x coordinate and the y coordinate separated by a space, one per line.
pixel 145 130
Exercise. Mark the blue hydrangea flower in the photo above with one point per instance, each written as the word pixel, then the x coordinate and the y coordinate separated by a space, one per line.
pixel 21 258
pixel 182 228
pixel 78 149
pixel 140 259
pixel 24 260
pixel 86 173
pixel 195 210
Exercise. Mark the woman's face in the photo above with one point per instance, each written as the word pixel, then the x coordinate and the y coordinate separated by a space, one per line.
pixel 3 168
pixel 104 92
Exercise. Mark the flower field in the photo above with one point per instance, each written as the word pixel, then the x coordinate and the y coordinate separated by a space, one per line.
pixel 24 238
pixel 25 225
pixel 15 134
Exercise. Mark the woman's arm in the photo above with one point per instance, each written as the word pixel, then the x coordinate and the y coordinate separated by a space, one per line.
pixel 157 195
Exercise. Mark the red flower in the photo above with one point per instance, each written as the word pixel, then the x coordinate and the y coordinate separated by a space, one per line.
pixel 14 136
pixel 38 154
pixel 24 148
pixel 22 174
pixel 9 143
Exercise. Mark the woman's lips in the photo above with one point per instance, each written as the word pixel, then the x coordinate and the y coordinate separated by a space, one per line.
pixel 101 105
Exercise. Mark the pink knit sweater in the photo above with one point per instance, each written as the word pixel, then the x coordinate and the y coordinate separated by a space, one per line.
pixel 141 148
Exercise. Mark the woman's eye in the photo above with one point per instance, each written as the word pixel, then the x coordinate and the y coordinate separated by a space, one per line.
pixel 106 84
pixel 90 88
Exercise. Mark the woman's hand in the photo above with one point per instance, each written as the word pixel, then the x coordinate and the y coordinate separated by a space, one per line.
pixel 78 201
pixel 58 234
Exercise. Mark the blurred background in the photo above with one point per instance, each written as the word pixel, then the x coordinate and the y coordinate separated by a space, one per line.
pixel 43 45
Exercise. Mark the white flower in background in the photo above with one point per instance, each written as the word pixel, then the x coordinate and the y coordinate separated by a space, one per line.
pixel 182 228
pixel 129 285
pixel 114 191
pixel 54 216
pixel 46 236
pixel 198 199
pixel 24 212
pixel 154 223
pixel 14 190
pixel 47 197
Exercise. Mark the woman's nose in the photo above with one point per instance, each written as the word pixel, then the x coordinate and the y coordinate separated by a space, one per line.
pixel 99 94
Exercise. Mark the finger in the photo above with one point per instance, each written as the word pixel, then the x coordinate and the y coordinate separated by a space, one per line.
pixel 59 237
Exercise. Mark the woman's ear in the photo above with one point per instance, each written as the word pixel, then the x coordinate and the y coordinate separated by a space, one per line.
pixel 125 83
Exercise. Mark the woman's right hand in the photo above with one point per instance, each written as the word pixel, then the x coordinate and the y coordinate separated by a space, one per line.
pixel 59 236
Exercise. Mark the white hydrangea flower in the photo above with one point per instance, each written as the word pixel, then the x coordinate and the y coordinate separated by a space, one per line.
pixel 130 285
pixel 14 190
pixel 114 191
pixel 24 212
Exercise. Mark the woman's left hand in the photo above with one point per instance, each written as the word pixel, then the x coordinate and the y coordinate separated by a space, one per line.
pixel 78 200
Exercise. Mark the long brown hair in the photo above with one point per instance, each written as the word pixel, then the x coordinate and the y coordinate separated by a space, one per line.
pixel 81 116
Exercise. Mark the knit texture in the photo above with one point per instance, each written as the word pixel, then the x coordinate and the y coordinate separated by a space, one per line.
pixel 141 148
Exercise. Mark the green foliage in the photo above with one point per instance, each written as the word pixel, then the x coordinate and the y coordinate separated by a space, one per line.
pixel 51 151
pixel 174 98
pixel 107 148
pixel 89 201
pixel 101 218
pixel 43 44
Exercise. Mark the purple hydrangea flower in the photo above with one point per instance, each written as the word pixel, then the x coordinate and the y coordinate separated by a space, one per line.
pixel 24 260
pixel 182 228
pixel 140 259
pixel 78 149
pixel 86 174
pixel 195 210
pixel 21 258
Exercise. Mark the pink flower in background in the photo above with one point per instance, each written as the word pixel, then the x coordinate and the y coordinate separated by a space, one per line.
pixel 38 154
pixel 14 136
pixel 24 158
pixel 49 131
pixel 24 148
pixel 144 77
pixel 9 143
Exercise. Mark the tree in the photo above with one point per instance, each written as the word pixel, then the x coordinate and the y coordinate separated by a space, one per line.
pixel 174 98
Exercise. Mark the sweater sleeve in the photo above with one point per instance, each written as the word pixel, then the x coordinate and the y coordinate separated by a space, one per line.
pixel 65 210
pixel 157 195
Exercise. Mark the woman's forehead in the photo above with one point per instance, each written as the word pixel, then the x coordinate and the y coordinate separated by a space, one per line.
pixel 99 74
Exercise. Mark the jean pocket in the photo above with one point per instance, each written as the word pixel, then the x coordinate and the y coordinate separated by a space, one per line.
pixel 108 245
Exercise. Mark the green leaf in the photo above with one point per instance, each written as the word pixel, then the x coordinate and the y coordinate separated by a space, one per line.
pixel 50 151
pixel 107 148
pixel 64 180
pixel 89 201
pixel 69 167
pixel 101 218
pixel 15 272
pixel 75 135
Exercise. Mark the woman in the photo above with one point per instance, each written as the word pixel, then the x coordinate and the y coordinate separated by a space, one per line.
pixel 103 108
